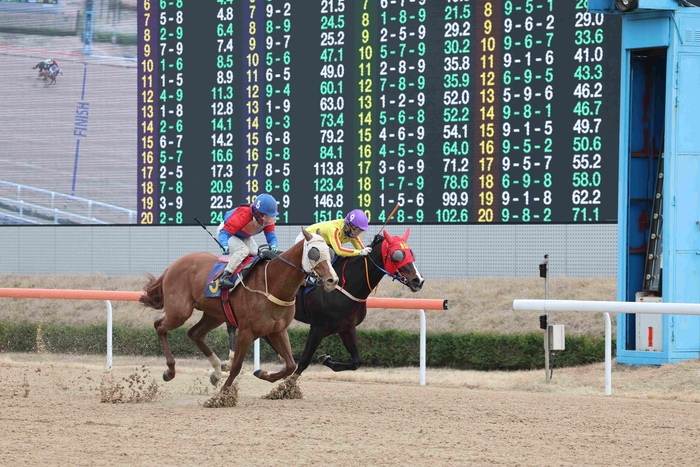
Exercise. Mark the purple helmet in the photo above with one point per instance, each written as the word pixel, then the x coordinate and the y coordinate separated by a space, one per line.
pixel 357 218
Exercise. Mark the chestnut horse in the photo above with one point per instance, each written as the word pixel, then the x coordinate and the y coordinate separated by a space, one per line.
pixel 263 305
pixel 50 76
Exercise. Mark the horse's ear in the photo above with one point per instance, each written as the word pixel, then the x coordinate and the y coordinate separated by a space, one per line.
pixel 387 236
pixel 307 235
pixel 406 234
pixel 318 232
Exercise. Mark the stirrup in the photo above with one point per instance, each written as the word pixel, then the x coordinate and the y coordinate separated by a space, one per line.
pixel 225 280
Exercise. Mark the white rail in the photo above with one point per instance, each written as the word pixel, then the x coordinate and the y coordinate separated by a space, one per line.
pixel 31 198
pixel 546 306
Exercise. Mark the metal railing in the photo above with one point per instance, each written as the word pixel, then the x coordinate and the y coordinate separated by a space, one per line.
pixel 36 205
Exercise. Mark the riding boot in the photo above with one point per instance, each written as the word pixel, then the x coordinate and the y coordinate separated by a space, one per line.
pixel 225 280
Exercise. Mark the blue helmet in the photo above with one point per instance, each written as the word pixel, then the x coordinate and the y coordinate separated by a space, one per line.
pixel 265 204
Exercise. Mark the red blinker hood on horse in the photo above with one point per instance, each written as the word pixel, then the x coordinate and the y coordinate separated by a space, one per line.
pixel 395 252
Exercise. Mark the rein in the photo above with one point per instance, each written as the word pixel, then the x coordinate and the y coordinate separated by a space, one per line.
pixel 396 276
pixel 268 295
pixel 276 256
pixel 348 294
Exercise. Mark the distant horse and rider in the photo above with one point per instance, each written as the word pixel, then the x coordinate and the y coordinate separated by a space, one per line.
pixel 44 65
pixel 48 70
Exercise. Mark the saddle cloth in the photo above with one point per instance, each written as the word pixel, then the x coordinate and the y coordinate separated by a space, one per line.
pixel 212 288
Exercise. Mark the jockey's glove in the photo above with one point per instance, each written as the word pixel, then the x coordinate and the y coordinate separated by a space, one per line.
pixel 365 251
pixel 274 248
pixel 224 250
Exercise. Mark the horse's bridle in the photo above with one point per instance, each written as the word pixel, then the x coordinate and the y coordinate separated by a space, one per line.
pixel 305 259
pixel 397 276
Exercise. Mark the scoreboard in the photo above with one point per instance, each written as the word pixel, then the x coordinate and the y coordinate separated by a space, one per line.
pixel 459 111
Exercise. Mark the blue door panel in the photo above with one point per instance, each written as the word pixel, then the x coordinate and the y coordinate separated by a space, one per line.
pixel 687 229
pixel 687 139
pixel 686 328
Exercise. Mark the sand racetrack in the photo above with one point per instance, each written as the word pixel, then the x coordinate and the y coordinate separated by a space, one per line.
pixel 51 414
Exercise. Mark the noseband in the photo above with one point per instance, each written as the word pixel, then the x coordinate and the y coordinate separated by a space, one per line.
pixel 397 276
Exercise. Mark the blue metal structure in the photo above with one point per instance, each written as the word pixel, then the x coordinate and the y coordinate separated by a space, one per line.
pixel 659 190
pixel 88 28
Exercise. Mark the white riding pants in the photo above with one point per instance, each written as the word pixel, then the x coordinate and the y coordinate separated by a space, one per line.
pixel 240 248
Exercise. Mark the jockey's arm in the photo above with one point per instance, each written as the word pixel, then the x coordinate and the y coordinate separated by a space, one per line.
pixel 339 248
pixel 270 235
pixel 223 238
pixel 357 243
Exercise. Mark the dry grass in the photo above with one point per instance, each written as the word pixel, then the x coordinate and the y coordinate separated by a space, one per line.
pixel 476 305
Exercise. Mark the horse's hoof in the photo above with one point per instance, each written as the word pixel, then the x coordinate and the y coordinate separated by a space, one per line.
pixel 165 376
pixel 323 358
pixel 225 367
pixel 213 379
pixel 257 373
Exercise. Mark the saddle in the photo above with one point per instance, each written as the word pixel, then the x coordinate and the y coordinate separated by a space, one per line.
pixel 212 289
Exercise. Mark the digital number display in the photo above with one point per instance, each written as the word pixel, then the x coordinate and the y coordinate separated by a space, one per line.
pixel 499 111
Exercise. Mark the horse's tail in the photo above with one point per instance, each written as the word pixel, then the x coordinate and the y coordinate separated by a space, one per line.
pixel 153 298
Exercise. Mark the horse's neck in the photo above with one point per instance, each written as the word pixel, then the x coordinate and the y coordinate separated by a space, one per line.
pixel 293 255
pixel 365 273
pixel 376 274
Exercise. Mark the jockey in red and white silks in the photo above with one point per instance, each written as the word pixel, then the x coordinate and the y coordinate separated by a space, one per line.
pixel 236 232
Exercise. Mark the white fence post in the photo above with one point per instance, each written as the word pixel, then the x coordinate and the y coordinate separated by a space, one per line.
pixel 608 355
pixel 109 335
pixel 422 347
pixel 256 355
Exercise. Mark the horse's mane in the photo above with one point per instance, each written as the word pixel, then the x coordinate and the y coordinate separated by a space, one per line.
pixel 379 238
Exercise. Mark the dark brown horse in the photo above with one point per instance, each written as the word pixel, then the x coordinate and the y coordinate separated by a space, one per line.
pixel 263 305
pixel 41 66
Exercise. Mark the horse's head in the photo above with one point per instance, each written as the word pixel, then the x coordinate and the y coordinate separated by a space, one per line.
pixel 398 259
pixel 316 260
